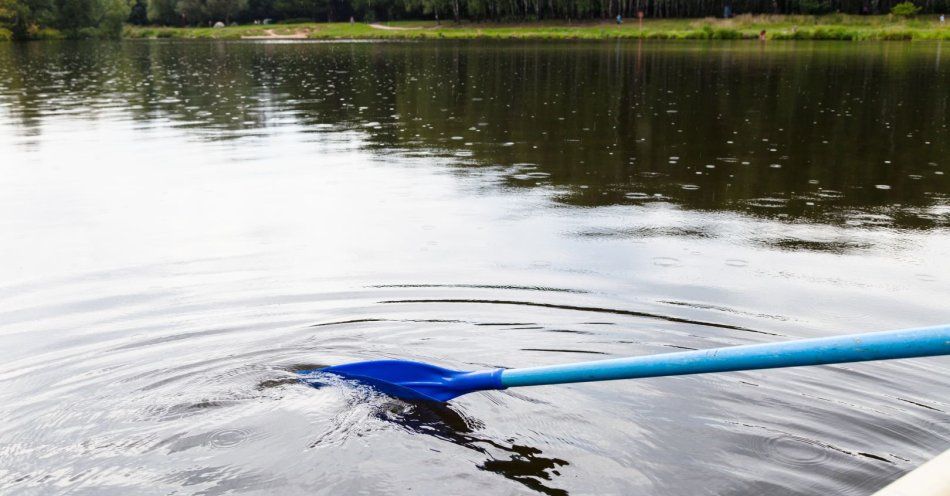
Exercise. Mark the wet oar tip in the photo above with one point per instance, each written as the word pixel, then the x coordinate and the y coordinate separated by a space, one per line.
pixel 410 380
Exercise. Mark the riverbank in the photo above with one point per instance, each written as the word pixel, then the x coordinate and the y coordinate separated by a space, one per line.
pixel 832 27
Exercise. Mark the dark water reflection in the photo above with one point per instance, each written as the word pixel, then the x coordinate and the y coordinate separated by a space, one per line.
pixel 524 464
pixel 186 224
pixel 821 133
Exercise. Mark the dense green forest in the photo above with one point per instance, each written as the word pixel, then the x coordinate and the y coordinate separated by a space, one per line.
pixel 40 19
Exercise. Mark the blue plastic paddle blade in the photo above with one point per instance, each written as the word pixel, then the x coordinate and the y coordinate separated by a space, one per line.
pixel 411 380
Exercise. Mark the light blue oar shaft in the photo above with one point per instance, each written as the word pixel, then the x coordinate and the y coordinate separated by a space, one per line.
pixel 907 343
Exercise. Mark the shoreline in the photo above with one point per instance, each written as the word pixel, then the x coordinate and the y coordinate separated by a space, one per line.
pixel 834 27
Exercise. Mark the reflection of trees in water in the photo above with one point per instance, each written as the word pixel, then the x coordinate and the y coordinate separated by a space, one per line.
pixel 806 133
pixel 517 462
pixel 813 132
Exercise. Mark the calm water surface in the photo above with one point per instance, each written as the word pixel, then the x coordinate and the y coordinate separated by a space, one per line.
pixel 184 225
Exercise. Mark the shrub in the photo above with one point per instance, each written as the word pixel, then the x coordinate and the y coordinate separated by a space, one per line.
pixel 86 33
pixel 905 9
pixel 897 35
pixel 832 33
pixel 699 34
pixel 726 34
pixel 130 32
pixel 711 33
pixel 47 34
pixel 5 34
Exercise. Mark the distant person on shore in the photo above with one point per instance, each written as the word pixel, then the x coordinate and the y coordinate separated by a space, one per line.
pixel 762 35
pixel 619 19
pixel 727 11
pixel 941 19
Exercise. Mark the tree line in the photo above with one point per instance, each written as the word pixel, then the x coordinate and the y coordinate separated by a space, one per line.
pixel 32 19
pixel 199 12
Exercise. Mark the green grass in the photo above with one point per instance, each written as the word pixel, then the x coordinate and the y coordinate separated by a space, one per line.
pixel 831 27
pixel 227 33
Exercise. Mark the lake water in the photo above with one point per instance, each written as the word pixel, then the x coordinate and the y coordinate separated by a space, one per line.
pixel 184 225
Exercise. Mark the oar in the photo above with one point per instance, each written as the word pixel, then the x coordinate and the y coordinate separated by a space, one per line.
pixel 422 381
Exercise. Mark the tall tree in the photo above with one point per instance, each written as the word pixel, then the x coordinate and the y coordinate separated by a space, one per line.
pixel 163 12
pixel 193 11
pixel 109 16
pixel 8 13
pixel 261 9
pixel 432 7
pixel 74 15
pixel 313 9
pixel 91 18
pixel 224 10
pixel 139 12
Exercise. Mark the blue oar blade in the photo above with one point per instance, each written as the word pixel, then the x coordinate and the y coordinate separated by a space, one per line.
pixel 411 380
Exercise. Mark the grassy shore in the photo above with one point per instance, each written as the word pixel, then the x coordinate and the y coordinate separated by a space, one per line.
pixel 832 27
